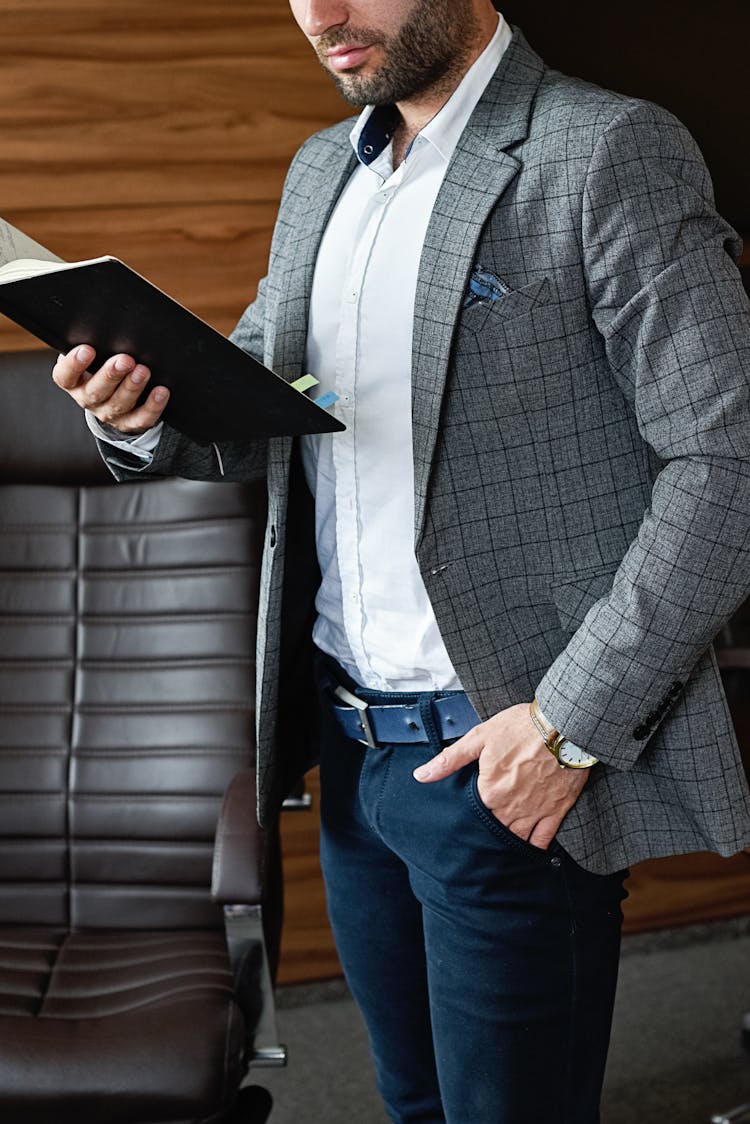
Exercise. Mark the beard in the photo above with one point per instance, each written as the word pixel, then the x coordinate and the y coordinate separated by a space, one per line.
pixel 429 51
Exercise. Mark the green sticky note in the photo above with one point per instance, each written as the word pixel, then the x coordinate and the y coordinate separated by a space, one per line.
pixel 305 383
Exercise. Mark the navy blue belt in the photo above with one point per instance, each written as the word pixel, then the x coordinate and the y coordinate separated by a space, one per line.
pixel 402 723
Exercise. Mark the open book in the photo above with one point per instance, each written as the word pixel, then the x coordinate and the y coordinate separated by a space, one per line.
pixel 218 391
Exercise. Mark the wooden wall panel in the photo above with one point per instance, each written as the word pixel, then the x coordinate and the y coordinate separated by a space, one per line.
pixel 157 132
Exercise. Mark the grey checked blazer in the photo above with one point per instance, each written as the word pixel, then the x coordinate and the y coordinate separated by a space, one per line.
pixel 581 448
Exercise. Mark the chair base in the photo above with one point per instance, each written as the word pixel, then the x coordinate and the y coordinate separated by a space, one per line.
pixel 253 1106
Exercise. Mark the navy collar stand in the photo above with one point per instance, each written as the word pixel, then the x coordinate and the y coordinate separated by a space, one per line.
pixel 377 133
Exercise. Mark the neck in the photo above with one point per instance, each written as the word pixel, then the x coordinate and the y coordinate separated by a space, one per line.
pixel 417 111
pixel 402 138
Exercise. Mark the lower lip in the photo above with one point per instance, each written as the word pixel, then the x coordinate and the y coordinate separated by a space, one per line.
pixel 346 60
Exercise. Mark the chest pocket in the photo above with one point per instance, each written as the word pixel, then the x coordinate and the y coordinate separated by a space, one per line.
pixel 489 299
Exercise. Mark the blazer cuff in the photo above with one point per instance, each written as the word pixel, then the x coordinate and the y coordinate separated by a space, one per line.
pixel 600 710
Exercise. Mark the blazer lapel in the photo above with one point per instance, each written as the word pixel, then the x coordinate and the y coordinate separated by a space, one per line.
pixel 325 176
pixel 480 171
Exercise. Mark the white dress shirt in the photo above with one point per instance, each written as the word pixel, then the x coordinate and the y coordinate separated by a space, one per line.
pixel 374 615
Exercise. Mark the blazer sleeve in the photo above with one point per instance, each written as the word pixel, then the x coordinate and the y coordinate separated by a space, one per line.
pixel 177 455
pixel 667 299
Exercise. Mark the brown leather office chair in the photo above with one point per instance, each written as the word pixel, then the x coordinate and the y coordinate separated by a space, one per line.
pixel 128 993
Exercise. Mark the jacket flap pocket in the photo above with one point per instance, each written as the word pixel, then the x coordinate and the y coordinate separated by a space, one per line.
pixel 499 310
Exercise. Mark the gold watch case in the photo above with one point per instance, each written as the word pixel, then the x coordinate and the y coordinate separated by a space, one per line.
pixel 570 756
pixel 567 754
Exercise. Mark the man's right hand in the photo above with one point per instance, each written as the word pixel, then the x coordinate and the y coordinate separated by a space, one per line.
pixel 112 393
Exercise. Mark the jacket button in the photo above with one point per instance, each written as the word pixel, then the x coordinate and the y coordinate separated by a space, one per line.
pixel 640 733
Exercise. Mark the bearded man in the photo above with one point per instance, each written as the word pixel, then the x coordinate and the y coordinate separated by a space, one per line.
pixel 533 526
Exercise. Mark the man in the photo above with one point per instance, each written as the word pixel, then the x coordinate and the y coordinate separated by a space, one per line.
pixel 519 288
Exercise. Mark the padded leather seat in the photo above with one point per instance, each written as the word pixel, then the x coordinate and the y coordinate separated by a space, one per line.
pixel 127 626
pixel 112 1024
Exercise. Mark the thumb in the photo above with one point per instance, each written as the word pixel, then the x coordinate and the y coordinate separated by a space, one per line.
pixel 451 759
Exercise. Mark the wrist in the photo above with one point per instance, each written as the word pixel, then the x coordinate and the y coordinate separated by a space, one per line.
pixel 567 754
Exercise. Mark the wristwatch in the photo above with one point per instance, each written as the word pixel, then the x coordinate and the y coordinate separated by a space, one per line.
pixel 566 753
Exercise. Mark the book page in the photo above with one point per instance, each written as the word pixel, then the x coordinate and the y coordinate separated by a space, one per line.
pixel 15 244
pixel 30 267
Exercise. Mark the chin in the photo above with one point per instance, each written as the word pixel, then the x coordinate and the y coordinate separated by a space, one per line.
pixel 353 96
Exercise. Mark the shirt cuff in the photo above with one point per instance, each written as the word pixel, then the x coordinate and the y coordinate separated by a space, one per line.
pixel 142 446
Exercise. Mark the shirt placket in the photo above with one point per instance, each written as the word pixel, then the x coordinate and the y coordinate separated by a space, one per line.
pixel 345 459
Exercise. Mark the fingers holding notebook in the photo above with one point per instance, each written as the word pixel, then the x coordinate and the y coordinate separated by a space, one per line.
pixel 113 393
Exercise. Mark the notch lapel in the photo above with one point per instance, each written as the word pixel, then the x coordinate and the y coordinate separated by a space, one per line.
pixel 480 171
pixel 328 166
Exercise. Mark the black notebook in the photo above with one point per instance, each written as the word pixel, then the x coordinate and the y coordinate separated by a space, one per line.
pixel 217 391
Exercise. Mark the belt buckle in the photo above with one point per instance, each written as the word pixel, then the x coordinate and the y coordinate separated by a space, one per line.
pixel 360 705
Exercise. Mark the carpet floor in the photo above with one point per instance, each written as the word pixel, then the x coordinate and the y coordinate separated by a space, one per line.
pixel 676 1055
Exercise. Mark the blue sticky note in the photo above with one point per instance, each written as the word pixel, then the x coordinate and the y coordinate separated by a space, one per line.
pixel 326 400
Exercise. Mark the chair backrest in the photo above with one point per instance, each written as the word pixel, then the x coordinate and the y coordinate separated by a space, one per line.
pixel 127 631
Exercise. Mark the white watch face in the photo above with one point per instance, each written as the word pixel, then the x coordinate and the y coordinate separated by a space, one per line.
pixel 573 755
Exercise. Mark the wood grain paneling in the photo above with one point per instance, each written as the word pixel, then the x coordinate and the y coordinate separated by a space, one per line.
pixel 307 948
pixel 156 132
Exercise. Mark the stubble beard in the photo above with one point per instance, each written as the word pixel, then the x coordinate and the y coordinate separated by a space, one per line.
pixel 429 52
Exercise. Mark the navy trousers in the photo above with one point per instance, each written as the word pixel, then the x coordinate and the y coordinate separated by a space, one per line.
pixel 485 967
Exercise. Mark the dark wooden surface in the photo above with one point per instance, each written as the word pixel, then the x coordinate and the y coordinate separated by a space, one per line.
pixel 688 57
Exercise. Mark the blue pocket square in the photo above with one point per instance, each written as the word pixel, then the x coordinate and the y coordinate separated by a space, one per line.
pixel 484 286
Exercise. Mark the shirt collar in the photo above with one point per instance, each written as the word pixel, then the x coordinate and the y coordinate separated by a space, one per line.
pixel 374 128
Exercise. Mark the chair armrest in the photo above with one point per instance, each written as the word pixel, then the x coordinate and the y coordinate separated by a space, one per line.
pixel 237 884
pixel 239 849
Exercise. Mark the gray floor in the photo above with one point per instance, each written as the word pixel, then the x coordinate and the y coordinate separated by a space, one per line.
pixel 676 1055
